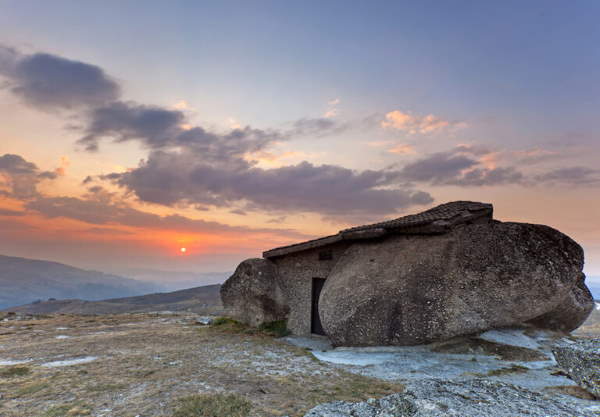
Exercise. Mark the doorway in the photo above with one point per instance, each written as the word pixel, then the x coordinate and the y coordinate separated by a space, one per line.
pixel 315 323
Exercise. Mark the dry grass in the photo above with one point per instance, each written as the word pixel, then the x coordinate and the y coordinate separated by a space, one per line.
pixel 213 405
pixel 147 361
pixel 77 409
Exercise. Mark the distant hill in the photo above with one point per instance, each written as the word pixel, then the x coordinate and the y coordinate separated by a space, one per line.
pixel 175 280
pixel 202 300
pixel 24 281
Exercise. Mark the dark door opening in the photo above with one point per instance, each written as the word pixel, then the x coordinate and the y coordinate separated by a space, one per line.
pixel 315 323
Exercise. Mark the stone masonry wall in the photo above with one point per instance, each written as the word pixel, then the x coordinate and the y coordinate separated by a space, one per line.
pixel 296 272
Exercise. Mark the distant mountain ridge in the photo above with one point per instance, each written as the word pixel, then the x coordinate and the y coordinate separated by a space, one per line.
pixel 24 281
pixel 204 300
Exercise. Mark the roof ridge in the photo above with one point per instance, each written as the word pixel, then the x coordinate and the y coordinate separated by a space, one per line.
pixel 440 217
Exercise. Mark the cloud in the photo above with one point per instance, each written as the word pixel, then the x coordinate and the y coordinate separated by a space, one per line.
pixel 50 82
pixel 317 127
pixel 332 109
pixel 577 175
pixel 437 168
pixel 11 213
pixel 402 149
pixel 463 166
pixel 111 212
pixel 19 178
pixel 415 124
pixel 121 122
pixel 325 189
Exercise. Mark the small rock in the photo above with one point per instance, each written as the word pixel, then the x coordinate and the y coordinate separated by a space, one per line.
pixel 204 321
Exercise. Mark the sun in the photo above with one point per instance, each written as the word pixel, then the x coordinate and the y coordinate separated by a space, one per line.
pixel 183 250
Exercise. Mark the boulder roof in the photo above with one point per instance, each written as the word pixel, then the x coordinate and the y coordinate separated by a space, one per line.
pixel 438 219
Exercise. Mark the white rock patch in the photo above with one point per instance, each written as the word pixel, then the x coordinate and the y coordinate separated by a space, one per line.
pixel 69 362
pixel 512 337
pixel 9 362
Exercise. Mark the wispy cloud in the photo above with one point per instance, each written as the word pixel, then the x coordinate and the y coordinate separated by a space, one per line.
pixel 415 124
pixel 332 108
pixel 402 149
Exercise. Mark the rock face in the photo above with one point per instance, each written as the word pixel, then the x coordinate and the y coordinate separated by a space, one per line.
pixel 581 361
pixel 435 398
pixel 252 294
pixel 412 289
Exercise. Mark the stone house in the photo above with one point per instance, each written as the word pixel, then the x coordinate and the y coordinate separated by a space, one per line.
pixel 370 284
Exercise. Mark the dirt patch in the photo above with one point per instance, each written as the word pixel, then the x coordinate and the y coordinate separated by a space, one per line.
pixel 473 345
pixel 572 390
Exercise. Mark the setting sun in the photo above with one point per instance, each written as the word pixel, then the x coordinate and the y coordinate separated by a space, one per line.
pixel 183 250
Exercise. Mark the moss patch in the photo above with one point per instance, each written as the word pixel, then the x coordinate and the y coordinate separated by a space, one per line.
pixel 275 328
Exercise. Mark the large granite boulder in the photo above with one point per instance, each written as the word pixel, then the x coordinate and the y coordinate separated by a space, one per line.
pixel 414 288
pixel 252 294
pixel 438 397
pixel 581 361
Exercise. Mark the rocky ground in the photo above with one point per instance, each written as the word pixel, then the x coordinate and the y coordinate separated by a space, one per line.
pixel 141 365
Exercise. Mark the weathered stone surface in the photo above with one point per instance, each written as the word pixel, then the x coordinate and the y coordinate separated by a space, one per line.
pixel 437 397
pixel 412 289
pixel 253 295
pixel 581 361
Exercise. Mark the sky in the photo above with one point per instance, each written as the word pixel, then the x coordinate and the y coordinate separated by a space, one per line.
pixel 130 130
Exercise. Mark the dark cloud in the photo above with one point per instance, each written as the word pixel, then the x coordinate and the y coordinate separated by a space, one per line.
pixel 577 175
pixel 169 178
pixel 11 213
pixel 437 168
pixel 20 177
pixel 17 165
pixel 121 122
pixel 197 167
pixel 160 128
pixel 461 166
pixel 51 82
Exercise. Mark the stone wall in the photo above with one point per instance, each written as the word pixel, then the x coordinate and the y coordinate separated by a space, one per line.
pixel 296 272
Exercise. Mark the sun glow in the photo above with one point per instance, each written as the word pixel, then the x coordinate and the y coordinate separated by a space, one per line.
pixel 183 250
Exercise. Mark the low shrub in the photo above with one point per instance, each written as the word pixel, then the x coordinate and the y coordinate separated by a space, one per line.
pixel 221 321
pixel 213 405
pixel 275 328
pixel 14 371
pixel 272 329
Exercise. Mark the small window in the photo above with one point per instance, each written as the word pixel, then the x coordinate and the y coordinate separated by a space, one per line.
pixel 325 255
